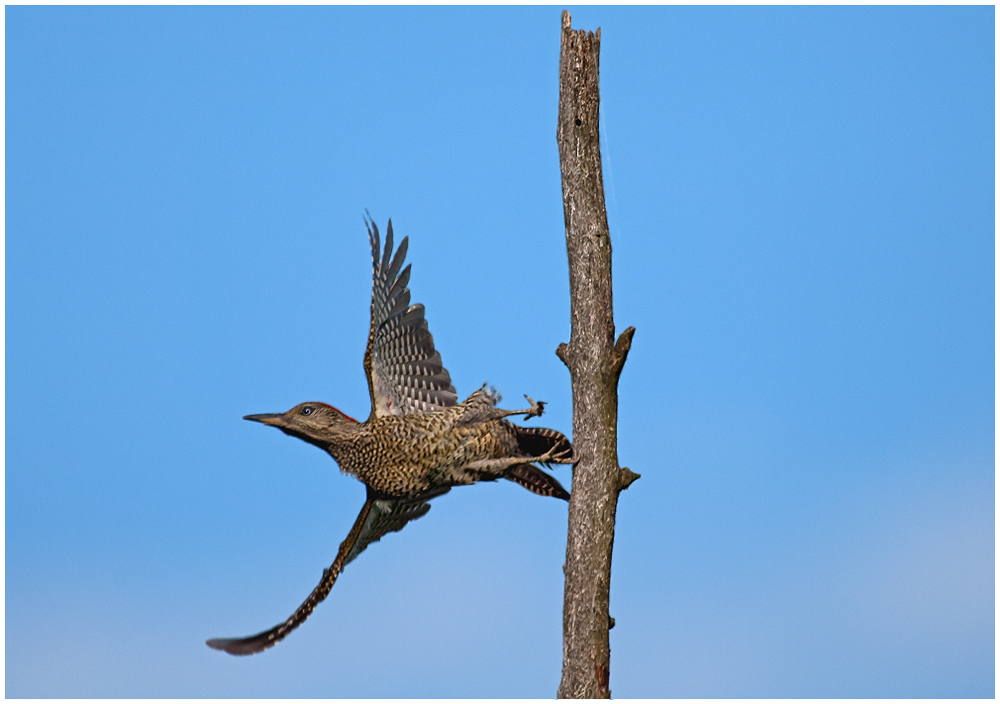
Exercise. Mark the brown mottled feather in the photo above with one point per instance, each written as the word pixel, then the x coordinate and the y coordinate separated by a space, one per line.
pixel 418 441
pixel 405 372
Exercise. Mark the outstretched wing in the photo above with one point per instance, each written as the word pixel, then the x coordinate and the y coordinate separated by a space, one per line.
pixel 378 516
pixel 405 373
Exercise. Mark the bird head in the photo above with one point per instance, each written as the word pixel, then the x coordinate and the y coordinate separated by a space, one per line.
pixel 311 421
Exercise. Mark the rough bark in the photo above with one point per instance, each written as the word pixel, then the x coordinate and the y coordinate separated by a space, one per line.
pixel 595 362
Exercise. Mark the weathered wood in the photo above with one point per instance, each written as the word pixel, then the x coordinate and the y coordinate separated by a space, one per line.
pixel 595 362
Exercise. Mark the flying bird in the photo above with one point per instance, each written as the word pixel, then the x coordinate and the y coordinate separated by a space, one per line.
pixel 417 442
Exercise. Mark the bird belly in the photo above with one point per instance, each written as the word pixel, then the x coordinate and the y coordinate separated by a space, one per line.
pixel 405 456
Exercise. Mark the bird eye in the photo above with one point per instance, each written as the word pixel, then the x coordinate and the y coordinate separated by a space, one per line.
pixel 307 410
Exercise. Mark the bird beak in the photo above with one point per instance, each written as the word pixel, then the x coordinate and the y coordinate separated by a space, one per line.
pixel 265 418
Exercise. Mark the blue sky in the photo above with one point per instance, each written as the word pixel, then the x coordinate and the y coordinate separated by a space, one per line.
pixel 801 203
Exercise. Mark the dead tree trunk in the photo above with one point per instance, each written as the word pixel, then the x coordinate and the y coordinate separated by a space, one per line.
pixel 595 362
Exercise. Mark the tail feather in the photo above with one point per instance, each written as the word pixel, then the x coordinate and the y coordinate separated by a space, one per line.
pixel 537 441
pixel 536 481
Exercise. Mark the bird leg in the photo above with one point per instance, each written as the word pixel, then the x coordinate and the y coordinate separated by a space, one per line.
pixel 496 466
pixel 537 408
pixel 555 456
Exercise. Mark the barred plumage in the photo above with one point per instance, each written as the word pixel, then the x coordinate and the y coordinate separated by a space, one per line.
pixel 418 442
pixel 400 359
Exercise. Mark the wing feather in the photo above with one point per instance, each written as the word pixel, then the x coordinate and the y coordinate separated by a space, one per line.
pixel 405 372
pixel 378 516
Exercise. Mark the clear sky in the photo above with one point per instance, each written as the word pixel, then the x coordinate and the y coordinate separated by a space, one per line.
pixel 801 204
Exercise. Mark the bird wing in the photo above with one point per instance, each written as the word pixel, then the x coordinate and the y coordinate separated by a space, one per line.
pixel 405 373
pixel 389 516
pixel 378 516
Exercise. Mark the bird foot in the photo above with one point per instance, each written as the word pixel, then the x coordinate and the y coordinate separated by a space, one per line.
pixel 553 456
pixel 536 409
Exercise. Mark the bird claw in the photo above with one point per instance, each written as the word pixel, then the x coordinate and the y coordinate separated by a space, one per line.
pixel 537 408
pixel 561 457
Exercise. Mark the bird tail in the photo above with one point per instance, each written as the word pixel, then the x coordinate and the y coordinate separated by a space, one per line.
pixel 533 442
pixel 536 481
pixel 537 441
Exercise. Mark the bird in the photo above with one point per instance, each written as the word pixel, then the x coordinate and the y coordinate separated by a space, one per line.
pixel 418 441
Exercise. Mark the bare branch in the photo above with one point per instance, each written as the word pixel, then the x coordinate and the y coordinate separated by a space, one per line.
pixel 628 476
pixel 595 362
pixel 562 351
pixel 622 347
